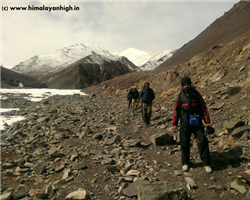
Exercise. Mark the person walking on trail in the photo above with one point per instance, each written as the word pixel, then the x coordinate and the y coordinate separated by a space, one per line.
pixel 190 108
pixel 142 103
pixel 147 96
pixel 135 99
pixel 129 97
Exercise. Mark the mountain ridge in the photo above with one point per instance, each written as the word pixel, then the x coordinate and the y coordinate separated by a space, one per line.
pixel 43 67
pixel 89 71
pixel 144 60
pixel 58 60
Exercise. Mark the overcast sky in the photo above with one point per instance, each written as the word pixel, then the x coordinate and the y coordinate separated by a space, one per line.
pixel 116 25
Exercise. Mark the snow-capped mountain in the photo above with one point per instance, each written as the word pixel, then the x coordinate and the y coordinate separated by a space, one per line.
pixel 144 60
pixel 44 66
pixel 90 70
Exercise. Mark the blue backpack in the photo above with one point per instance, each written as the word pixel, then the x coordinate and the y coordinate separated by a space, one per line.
pixel 194 120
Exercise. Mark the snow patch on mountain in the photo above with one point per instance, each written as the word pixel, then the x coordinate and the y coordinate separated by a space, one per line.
pixel 63 57
pixel 145 60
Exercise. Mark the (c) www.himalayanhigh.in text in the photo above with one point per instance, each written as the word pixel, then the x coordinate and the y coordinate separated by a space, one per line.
pixel 40 8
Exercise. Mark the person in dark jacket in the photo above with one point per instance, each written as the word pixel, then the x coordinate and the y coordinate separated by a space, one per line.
pixel 129 97
pixel 190 108
pixel 135 99
pixel 147 96
pixel 141 102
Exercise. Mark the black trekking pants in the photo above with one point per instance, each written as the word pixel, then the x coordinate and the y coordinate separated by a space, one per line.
pixel 202 143
pixel 129 103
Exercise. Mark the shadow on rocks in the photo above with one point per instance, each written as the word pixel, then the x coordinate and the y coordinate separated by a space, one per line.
pixel 223 160
pixel 196 165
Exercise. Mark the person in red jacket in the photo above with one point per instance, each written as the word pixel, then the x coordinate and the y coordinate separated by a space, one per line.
pixel 190 108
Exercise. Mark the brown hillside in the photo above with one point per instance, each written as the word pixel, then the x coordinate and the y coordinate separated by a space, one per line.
pixel 10 78
pixel 232 25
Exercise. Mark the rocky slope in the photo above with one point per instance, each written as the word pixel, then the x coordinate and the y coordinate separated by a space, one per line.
pixel 221 74
pixel 13 79
pixel 94 145
pixel 233 25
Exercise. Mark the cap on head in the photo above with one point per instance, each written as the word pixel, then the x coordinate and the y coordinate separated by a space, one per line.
pixel 185 80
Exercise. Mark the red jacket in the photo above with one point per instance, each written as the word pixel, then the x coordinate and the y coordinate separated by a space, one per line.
pixel 185 105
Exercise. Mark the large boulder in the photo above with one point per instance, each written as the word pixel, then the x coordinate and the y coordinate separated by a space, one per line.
pixel 240 188
pixel 233 123
pixel 15 126
pixel 131 190
pixel 161 139
pixel 114 139
pixel 80 165
pixel 20 193
pixel 238 132
pixel 217 76
pixel 80 194
pixel 235 89
pixel 173 191
pixel 6 196
pixel 40 167
pixel 54 152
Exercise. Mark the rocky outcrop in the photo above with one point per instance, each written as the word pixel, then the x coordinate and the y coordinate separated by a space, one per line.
pixel 162 191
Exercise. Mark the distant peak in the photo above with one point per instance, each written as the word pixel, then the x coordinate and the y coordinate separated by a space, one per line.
pixel 134 51
pixel 90 44
pixel 132 48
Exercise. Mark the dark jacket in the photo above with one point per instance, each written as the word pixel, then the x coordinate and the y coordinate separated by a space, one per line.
pixel 147 96
pixel 130 95
pixel 191 104
pixel 135 94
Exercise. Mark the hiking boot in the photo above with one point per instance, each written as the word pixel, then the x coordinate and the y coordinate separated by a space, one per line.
pixel 208 169
pixel 185 168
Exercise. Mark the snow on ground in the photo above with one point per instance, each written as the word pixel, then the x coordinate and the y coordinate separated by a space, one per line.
pixel 3 97
pixel 33 95
pixel 4 110
pixel 9 120
pixel 38 94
